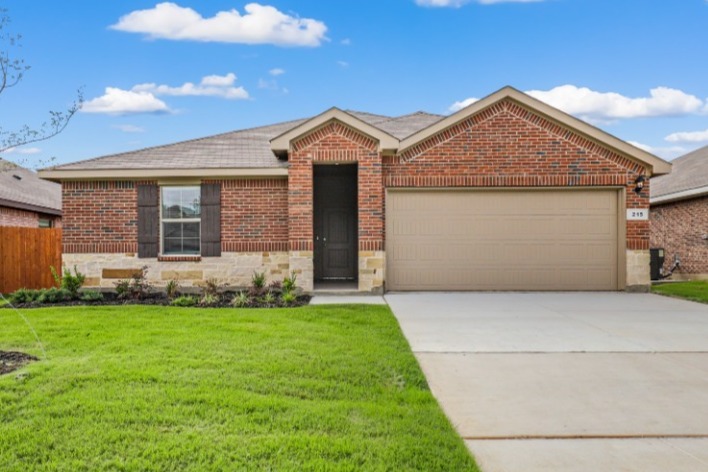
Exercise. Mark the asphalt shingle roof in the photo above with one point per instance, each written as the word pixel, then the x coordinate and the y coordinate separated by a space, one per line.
pixel 689 172
pixel 20 185
pixel 249 148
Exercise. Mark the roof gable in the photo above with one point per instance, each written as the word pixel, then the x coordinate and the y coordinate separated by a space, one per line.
pixel 654 164
pixel 281 144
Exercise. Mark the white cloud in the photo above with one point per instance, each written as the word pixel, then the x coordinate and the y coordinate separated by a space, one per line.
pixel 343 64
pixel 142 98
pixel 581 101
pixel 261 24
pixel 668 153
pixel 129 128
pixel 210 86
pixel 459 3
pixel 603 106
pixel 688 136
pixel 462 104
pixel 348 42
pixel 276 72
pixel 25 151
pixel 219 80
pixel 116 101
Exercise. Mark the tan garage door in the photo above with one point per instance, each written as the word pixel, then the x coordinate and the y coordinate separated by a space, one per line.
pixel 502 240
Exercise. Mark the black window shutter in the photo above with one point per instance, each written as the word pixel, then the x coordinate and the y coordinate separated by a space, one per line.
pixel 211 220
pixel 148 220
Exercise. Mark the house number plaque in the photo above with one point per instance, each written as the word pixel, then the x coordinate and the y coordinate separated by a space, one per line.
pixel 635 214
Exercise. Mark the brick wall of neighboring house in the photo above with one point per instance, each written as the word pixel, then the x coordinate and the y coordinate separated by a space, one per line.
pixel 681 228
pixel 99 217
pixel 15 217
pixel 508 146
pixel 25 218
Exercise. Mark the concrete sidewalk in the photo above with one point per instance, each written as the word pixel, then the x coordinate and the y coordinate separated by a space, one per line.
pixel 567 381
pixel 345 299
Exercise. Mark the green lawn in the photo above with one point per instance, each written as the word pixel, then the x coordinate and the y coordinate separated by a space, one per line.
pixel 160 388
pixel 696 291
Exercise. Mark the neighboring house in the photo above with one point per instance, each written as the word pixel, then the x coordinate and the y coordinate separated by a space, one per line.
pixel 26 200
pixel 679 215
pixel 506 194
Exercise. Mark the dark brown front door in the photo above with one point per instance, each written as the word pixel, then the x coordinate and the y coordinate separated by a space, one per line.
pixel 335 225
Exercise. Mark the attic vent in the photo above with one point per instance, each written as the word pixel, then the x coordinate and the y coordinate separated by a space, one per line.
pixel 16 177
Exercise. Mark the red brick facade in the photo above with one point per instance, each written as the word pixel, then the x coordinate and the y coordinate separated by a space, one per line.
pixel 681 228
pixel 25 218
pixel 509 146
pixel 101 217
pixel 254 215
pixel 336 142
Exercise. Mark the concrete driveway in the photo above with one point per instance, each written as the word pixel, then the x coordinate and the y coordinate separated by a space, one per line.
pixel 567 381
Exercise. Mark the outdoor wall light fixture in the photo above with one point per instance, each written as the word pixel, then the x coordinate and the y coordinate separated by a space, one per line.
pixel 639 184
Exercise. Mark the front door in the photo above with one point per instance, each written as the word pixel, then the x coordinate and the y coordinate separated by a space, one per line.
pixel 335 225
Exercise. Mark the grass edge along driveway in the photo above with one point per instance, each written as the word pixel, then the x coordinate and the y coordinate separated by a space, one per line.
pixel 166 388
pixel 696 290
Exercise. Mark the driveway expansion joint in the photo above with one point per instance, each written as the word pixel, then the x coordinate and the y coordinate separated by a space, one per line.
pixel 554 352
pixel 585 436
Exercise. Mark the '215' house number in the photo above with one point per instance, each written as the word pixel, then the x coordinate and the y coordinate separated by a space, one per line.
pixel 634 214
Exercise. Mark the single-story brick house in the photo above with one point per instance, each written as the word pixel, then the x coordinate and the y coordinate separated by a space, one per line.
pixel 26 200
pixel 506 194
pixel 679 215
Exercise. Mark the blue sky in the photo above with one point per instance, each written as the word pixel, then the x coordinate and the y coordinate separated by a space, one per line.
pixel 155 73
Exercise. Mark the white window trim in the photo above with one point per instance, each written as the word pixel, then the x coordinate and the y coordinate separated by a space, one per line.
pixel 178 220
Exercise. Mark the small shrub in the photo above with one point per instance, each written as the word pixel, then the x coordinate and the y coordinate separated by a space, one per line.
pixel 24 295
pixel 68 281
pixel 241 300
pixel 172 289
pixel 258 280
pixel 275 286
pixel 288 298
pixel 184 301
pixel 91 296
pixel 209 299
pixel 55 295
pixel 55 276
pixel 137 288
pixel 122 288
pixel 212 286
pixel 268 299
pixel 290 282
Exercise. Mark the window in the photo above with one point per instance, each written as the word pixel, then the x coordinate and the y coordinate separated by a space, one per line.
pixel 45 223
pixel 181 220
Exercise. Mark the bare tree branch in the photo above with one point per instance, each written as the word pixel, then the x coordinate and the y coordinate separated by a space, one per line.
pixel 12 70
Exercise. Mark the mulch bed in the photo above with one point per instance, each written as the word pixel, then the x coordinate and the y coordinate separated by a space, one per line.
pixel 156 299
pixel 13 360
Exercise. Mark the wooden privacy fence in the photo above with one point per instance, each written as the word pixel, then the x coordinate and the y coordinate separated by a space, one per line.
pixel 26 255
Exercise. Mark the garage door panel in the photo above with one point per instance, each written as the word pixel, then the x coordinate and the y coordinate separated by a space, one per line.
pixel 502 240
